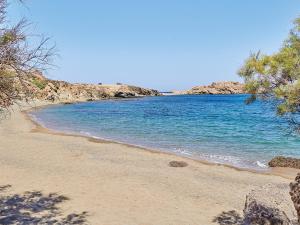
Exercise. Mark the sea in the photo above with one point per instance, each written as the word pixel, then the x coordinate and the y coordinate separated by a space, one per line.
pixel 217 128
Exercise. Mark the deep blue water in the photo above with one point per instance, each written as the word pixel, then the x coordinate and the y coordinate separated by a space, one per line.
pixel 220 128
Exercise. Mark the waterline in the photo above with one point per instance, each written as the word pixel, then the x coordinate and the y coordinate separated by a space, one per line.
pixel 220 129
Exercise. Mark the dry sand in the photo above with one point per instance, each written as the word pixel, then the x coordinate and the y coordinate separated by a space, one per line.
pixel 119 184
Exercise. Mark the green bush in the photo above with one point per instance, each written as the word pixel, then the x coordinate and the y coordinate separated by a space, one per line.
pixel 41 84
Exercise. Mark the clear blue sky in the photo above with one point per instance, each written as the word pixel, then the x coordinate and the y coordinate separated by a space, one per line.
pixel 161 44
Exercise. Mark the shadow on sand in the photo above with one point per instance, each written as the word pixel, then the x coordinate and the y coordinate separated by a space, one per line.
pixel 34 207
pixel 262 215
pixel 229 218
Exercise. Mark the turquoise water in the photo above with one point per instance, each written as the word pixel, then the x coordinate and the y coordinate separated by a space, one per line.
pixel 219 128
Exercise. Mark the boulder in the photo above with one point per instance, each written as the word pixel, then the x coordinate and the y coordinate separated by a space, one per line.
pixel 280 161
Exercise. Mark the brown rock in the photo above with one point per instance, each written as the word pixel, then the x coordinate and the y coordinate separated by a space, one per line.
pixel 178 164
pixel 226 87
pixel 61 91
pixel 280 161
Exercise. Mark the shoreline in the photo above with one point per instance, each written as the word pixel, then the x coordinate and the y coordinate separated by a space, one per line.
pixel 279 171
pixel 121 184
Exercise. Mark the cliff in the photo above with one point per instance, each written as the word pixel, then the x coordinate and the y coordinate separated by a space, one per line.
pixel 61 91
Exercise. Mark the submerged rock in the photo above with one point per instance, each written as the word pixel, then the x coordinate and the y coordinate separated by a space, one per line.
pixel 280 161
pixel 268 205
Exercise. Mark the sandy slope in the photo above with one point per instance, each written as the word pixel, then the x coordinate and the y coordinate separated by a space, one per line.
pixel 118 184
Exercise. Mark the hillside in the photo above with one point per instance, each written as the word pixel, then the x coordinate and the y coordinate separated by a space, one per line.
pixel 61 91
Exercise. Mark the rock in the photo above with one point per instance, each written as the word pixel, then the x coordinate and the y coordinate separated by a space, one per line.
pixel 178 164
pixel 295 195
pixel 124 94
pixel 61 91
pixel 280 161
pixel 224 88
pixel 269 205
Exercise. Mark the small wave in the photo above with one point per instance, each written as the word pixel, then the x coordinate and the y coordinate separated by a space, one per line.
pixel 85 133
pixel 260 164
pixel 88 134
pixel 229 160
pixel 182 151
pixel 37 119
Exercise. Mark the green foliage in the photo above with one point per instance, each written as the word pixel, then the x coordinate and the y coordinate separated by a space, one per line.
pixel 20 56
pixel 276 76
pixel 41 84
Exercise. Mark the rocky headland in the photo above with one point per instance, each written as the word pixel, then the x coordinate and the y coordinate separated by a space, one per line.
pixel 222 87
pixel 42 88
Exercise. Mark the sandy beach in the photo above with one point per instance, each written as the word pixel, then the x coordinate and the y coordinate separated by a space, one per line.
pixel 120 184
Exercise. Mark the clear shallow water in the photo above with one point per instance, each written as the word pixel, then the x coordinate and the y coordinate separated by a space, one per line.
pixel 219 128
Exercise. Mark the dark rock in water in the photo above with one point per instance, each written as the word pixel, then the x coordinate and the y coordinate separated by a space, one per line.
pixel 280 161
pixel 295 194
pixel 268 205
pixel 178 164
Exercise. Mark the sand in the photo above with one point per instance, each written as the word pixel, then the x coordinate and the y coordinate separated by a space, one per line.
pixel 120 184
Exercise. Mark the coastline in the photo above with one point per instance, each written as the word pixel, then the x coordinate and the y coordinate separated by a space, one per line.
pixel 289 173
pixel 122 184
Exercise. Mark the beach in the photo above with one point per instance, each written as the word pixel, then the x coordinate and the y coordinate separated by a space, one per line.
pixel 121 184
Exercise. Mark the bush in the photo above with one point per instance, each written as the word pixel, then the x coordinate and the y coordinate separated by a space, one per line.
pixel 41 84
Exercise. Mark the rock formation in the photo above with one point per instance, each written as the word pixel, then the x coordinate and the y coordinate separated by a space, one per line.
pixel 223 88
pixel 226 87
pixel 280 161
pixel 295 194
pixel 61 91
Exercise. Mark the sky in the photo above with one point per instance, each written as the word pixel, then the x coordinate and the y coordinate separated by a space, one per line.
pixel 160 44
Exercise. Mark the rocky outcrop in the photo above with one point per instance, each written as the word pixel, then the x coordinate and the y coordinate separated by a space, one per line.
pixel 61 91
pixel 227 87
pixel 280 161
pixel 221 88
pixel 295 194
pixel 267 205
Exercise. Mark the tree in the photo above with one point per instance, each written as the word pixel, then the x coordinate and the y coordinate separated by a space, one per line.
pixel 276 76
pixel 19 58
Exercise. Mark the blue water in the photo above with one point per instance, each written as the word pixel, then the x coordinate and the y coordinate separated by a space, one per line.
pixel 219 128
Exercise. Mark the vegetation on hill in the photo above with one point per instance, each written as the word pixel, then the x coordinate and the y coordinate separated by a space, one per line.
pixel 18 58
pixel 276 76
